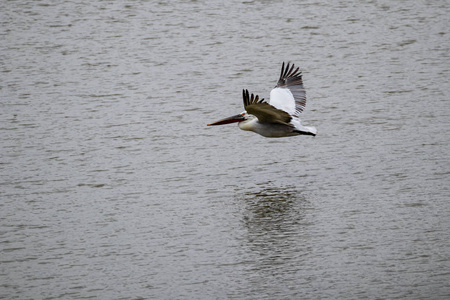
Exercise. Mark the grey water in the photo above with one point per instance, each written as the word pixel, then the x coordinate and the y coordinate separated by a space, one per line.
pixel 112 186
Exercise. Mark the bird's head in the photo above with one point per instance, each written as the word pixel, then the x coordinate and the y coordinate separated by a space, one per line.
pixel 244 116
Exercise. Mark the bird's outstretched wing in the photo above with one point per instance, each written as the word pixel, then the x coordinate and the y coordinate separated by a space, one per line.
pixel 265 112
pixel 289 95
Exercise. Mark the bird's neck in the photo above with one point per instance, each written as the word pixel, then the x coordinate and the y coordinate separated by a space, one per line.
pixel 248 125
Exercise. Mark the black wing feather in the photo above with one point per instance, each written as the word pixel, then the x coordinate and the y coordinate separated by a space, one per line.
pixel 291 78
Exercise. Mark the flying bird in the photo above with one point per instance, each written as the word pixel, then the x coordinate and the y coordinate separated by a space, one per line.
pixel 280 116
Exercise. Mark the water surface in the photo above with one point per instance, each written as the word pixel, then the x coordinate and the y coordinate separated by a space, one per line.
pixel 112 186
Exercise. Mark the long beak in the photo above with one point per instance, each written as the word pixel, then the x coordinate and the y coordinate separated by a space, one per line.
pixel 233 119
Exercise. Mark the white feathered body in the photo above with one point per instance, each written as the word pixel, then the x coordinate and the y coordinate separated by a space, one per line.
pixel 283 99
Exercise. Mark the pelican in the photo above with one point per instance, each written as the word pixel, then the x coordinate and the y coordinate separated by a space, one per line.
pixel 280 116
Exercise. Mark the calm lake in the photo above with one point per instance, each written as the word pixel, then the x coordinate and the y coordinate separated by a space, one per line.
pixel 112 186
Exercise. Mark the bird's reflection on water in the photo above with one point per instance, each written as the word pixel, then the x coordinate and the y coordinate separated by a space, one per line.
pixel 277 240
pixel 276 220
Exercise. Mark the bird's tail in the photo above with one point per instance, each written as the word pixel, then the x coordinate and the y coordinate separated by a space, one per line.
pixel 306 130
